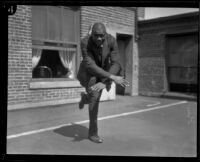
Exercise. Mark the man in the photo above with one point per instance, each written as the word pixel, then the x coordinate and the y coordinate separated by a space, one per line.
pixel 97 70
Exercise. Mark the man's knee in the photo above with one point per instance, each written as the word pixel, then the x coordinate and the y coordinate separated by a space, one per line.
pixel 93 81
pixel 94 96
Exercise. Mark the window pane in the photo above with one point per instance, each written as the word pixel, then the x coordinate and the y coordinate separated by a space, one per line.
pixel 56 64
pixel 183 50
pixel 190 53
pixel 68 25
pixel 39 22
pixel 54 23
pixel 183 75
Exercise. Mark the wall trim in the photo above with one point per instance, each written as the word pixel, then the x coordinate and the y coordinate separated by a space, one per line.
pixel 106 96
pixel 169 18
pixel 181 32
pixel 54 84
pixel 150 94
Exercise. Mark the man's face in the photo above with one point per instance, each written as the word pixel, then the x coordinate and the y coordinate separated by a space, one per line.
pixel 98 34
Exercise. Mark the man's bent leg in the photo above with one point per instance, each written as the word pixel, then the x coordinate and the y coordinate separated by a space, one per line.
pixel 84 97
pixel 83 101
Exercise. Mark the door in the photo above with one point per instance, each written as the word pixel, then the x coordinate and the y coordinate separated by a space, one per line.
pixel 182 56
pixel 123 41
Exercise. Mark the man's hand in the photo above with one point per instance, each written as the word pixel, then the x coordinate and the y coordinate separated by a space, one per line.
pixel 97 87
pixel 119 80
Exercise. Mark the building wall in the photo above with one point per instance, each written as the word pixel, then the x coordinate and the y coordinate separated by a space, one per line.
pixel 20 56
pixel 20 68
pixel 116 15
pixel 141 13
pixel 119 20
pixel 152 41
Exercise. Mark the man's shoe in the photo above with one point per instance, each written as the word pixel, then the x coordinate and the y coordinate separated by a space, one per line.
pixel 83 100
pixel 95 139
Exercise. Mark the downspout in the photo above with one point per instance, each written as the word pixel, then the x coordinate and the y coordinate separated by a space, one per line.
pixel 136 25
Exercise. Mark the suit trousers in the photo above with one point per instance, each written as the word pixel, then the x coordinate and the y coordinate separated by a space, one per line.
pixel 93 101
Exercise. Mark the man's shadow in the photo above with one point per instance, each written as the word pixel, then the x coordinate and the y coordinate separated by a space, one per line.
pixel 75 131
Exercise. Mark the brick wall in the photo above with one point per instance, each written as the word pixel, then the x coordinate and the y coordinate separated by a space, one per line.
pixel 152 73
pixel 20 64
pixel 20 54
pixel 115 15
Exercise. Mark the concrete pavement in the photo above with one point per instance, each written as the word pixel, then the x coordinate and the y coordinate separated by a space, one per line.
pixel 133 126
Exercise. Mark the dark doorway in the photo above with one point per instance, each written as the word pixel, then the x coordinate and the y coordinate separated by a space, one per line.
pixel 182 56
pixel 123 41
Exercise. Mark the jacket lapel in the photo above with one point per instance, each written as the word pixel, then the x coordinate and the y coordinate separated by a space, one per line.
pixel 105 51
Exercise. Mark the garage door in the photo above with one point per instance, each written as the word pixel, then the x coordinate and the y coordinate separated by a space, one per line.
pixel 182 56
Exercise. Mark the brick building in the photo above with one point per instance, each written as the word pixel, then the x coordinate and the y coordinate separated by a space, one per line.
pixel 44 52
pixel 168 54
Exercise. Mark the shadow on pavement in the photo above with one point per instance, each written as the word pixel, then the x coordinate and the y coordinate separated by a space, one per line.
pixel 78 132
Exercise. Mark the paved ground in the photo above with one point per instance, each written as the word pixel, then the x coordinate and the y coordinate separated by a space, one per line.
pixel 133 126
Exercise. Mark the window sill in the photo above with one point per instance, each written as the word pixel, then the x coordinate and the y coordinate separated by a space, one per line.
pixel 53 83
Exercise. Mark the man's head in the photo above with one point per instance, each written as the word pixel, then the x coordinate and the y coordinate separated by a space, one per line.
pixel 98 33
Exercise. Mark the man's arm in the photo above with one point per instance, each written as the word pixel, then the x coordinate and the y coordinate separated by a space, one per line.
pixel 115 66
pixel 114 57
pixel 95 70
pixel 89 60
pixel 90 63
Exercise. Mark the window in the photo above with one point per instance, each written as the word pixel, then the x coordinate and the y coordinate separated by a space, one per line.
pixel 55 39
pixel 182 62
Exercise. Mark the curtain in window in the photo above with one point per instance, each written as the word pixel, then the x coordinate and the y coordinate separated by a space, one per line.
pixel 66 58
pixel 36 56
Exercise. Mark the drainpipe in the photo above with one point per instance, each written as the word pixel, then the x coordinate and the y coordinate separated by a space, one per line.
pixel 136 25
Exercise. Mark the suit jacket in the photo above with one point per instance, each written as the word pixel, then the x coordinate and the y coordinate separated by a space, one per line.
pixel 92 66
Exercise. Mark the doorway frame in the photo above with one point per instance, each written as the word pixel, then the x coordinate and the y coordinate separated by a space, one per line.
pixel 129 41
pixel 115 29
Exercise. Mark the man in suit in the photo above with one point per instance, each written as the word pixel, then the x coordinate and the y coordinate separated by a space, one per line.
pixel 99 67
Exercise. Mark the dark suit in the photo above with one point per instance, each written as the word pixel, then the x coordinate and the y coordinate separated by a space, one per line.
pixel 97 65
